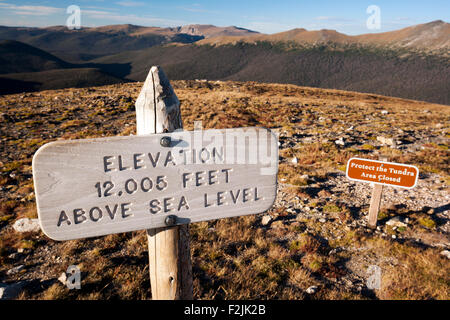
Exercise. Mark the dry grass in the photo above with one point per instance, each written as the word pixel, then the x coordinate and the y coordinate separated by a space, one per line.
pixel 419 274
pixel 232 258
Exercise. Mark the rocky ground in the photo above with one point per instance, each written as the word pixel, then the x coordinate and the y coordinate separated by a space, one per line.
pixel 313 244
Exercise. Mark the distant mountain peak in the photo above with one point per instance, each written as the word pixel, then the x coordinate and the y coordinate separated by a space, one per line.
pixel 210 31
pixel 436 22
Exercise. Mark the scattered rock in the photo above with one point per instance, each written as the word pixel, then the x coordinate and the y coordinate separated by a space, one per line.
pixel 277 224
pixel 266 220
pixel 312 290
pixel 15 269
pixel 324 193
pixel 27 225
pixel 340 142
pixel 396 222
pixel 386 141
pixel 13 256
pixel 348 283
pixel 446 254
pixel 395 207
pixel 63 278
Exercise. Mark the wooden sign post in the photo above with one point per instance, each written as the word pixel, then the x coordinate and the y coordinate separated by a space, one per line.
pixel 160 181
pixel 158 111
pixel 381 173
pixel 375 202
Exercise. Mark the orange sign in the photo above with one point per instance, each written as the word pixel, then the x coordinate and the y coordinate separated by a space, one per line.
pixel 385 173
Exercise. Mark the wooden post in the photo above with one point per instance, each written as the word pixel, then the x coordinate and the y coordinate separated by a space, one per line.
pixel 375 202
pixel 158 111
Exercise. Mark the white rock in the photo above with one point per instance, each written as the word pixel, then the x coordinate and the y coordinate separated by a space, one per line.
pixel 27 225
pixel 396 222
pixel 311 290
pixel 15 269
pixel 63 278
pixel 340 142
pixel 13 255
pixel 266 220
pixel 386 141
pixel 384 112
pixel 294 160
pixel 322 220
pixel 446 254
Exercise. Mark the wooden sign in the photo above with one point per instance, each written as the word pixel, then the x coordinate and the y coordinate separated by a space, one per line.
pixel 384 173
pixel 94 187
pixel 381 173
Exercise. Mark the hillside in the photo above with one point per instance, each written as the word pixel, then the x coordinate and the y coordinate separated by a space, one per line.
pixel 87 43
pixel 357 68
pixel 55 79
pixel 314 244
pixel 431 36
pixel 17 57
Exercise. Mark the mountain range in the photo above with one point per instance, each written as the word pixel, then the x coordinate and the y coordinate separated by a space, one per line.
pixel 433 36
pixel 410 63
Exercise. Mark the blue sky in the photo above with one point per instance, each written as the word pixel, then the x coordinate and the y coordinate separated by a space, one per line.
pixel 347 16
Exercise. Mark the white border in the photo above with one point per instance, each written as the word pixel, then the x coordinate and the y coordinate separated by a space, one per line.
pixel 385 162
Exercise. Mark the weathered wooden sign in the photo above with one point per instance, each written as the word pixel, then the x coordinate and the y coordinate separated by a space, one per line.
pixel 94 187
pixel 381 173
pixel 384 173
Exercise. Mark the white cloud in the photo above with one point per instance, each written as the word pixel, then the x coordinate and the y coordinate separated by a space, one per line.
pixel 130 18
pixel 197 8
pixel 31 10
pixel 127 3
pixel 323 18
